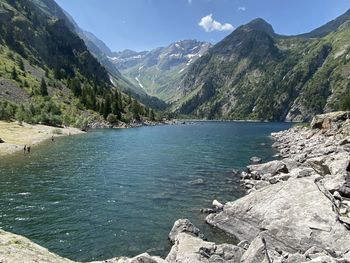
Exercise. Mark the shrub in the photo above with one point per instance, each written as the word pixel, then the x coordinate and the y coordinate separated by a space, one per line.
pixel 7 110
pixel 111 118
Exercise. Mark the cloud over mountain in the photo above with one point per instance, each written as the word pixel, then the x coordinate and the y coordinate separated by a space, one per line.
pixel 209 24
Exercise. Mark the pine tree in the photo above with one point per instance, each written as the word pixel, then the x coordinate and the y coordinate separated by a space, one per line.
pixel 21 64
pixel 43 88
pixel 151 115
pixel 75 86
pixel 107 106
pixel 14 74
pixel 136 110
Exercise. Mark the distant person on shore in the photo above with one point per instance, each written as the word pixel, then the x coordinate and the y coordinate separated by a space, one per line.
pixel 28 149
pixel 25 149
pixel 52 139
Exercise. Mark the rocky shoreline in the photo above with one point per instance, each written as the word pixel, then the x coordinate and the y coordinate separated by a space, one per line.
pixel 123 125
pixel 297 208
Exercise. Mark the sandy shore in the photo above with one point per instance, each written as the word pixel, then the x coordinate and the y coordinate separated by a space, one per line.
pixel 16 136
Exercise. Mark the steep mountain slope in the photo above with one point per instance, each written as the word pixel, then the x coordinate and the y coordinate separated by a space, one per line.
pixel 256 74
pixel 99 49
pixel 46 71
pixel 103 53
pixel 159 71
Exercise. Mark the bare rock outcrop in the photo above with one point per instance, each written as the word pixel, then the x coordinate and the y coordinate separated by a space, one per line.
pixel 300 202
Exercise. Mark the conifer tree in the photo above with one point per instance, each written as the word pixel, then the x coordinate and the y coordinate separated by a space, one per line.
pixel 43 88
pixel 107 106
pixel 14 74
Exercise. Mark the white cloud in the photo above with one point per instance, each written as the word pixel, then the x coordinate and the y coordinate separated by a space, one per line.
pixel 242 8
pixel 209 24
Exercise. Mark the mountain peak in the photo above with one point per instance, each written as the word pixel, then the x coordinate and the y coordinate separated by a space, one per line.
pixel 260 25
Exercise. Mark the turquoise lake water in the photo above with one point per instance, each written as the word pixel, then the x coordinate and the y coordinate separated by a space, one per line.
pixel 118 192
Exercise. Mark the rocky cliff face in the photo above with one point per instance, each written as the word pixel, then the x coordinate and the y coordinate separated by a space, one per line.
pixel 297 208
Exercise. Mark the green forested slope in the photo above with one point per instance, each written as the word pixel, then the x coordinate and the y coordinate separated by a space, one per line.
pixel 256 74
pixel 48 75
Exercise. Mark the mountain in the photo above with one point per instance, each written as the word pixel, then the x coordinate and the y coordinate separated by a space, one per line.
pixel 47 73
pixel 255 73
pixel 100 50
pixel 159 71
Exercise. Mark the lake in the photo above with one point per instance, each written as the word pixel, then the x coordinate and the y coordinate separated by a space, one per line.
pixel 116 192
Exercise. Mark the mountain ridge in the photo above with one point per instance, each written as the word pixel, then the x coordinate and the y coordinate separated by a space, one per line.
pixel 255 73
pixel 158 71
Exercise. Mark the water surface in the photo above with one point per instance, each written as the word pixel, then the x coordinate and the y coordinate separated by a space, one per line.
pixel 118 192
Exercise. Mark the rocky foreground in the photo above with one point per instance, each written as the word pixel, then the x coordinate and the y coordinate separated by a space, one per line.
pixel 297 208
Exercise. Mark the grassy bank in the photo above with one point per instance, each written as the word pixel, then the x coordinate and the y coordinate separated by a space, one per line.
pixel 15 136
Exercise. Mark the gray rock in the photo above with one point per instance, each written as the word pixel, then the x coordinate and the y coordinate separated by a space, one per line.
pixel 190 249
pixel 327 121
pixel 345 220
pixel 144 258
pixel 273 168
pixel 287 214
pixel 338 163
pixel 294 258
pixel 243 244
pixel 183 226
pixel 318 164
pixel 313 250
pixel 255 160
pixel 323 259
pixel 255 252
pixel 218 205
pixel 336 195
pixel 229 252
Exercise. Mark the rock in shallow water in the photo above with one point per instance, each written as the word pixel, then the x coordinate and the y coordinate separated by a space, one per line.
pixel 183 226
pixel 255 160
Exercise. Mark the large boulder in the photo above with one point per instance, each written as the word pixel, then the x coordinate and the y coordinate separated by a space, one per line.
pixel 328 120
pixel 18 249
pixel 293 215
pixel 272 168
pixel 183 226
pixel 190 249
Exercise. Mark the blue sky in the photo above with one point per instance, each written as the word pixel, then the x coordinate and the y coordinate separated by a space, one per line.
pixel 147 24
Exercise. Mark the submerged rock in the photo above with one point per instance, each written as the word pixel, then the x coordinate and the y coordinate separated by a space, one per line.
pixel 197 182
